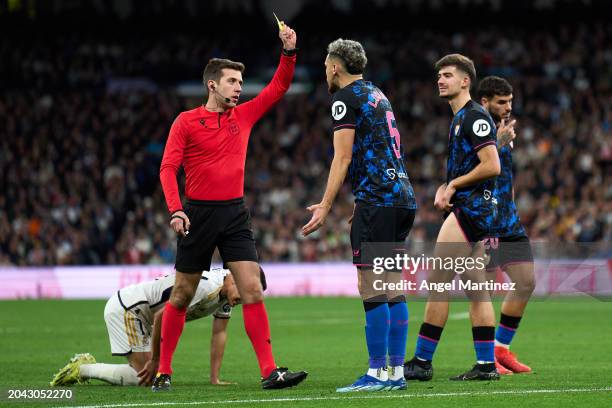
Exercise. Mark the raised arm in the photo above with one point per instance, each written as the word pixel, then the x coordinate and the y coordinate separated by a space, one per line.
pixel 280 82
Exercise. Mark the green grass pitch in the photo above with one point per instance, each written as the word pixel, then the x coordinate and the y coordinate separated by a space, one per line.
pixel 566 341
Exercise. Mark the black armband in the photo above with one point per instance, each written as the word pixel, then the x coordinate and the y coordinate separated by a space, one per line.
pixel 291 52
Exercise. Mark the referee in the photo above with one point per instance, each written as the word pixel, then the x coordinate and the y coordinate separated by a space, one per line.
pixel 210 142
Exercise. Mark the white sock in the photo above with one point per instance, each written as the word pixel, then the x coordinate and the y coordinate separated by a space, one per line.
pixel 116 374
pixel 498 344
pixel 396 373
pixel 379 373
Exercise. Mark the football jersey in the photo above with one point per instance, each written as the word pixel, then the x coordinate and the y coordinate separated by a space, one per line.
pixel 377 171
pixel 149 297
pixel 472 129
pixel 508 223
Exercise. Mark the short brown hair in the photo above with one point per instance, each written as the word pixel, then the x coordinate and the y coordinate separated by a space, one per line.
pixel 350 53
pixel 462 63
pixel 493 85
pixel 213 70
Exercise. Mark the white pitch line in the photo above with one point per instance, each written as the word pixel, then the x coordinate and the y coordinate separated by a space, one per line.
pixel 355 397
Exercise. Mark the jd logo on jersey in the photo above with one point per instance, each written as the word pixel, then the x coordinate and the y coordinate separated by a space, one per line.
pixel 481 128
pixel 338 110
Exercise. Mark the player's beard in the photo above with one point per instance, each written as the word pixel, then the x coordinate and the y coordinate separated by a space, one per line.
pixel 495 117
pixel 332 87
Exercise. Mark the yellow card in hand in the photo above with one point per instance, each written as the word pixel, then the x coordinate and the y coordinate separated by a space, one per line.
pixel 280 25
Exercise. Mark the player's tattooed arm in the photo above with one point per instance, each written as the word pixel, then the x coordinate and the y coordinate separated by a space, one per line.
pixel 505 133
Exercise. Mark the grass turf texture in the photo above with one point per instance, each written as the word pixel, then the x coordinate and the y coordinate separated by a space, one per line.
pixel 565 341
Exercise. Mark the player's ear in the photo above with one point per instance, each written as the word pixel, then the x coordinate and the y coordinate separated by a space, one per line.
pixel 211 85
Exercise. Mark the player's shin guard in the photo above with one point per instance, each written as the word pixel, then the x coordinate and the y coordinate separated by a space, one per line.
pixel 506 330
pixel 428 339
pixel 484 342
pixel 377 330
pixel 173 322
pixel 398 331
pixel 258 329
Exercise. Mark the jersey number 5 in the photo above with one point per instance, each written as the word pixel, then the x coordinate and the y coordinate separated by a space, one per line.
pixel 395 135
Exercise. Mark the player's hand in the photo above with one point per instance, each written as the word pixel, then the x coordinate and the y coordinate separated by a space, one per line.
pixel 216 381
pixel 439 195
pixel 505 133
pixel 233 296
pixel 180 223
pixel 287 36
pixel 147 374
pixel 350 220
pixel 443 201
pixel 319 213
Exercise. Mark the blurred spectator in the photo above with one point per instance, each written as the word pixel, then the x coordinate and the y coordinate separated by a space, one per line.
pixel 79 161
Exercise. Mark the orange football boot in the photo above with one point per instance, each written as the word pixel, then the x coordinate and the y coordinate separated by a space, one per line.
pixel 501 369
pixel 508 359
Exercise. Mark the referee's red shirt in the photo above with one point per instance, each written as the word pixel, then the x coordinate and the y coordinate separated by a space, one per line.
pixel 212 146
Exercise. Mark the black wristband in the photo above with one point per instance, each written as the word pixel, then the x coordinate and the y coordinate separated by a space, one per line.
pixel 291 52
pixel 174 213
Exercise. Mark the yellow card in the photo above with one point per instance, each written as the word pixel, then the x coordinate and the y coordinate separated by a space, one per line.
pixel 280 25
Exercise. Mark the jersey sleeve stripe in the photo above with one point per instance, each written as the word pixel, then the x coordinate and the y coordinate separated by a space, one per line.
pixel 345 126
pixel 480 146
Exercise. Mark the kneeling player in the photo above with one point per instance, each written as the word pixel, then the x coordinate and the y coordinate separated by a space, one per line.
pixel 133 316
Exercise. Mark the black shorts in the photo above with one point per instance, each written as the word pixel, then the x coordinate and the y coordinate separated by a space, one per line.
pixel 378 224
pixel 472 232
pixel 508 250
pixel 215 224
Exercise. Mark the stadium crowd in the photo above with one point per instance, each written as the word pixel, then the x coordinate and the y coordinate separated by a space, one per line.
pixel 79 160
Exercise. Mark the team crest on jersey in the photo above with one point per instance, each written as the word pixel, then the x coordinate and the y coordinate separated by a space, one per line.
pixel 234 128
pixel 481 128
pixel 338 110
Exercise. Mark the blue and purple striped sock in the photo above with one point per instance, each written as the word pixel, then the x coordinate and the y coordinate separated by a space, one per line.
pixel 506 330
pixel 429 336
pixel 484 343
